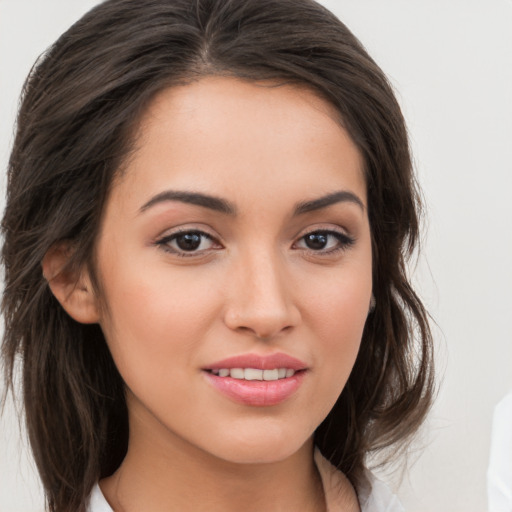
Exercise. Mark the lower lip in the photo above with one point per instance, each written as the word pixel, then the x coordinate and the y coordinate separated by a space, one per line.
pixel 260 393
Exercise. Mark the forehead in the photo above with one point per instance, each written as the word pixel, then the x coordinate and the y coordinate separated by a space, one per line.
pixel 227 95
pixel 229 134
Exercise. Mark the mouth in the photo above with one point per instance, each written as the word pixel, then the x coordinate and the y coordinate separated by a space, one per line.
pixel 254 373
pixel 252 364
pixel 256 380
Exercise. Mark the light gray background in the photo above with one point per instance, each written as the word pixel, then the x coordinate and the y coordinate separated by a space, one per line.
pixel 451 63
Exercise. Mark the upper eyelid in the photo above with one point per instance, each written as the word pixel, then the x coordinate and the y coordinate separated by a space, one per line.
pixel 325 228
pixel 332 232
pixel 173 232
pixel 169 233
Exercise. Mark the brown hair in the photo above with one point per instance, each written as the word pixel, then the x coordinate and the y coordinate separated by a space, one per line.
pixel 79 110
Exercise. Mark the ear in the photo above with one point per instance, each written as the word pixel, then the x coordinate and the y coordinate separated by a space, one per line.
pixel 73 289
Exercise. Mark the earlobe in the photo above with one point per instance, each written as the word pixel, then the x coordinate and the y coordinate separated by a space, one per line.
pixel 72 288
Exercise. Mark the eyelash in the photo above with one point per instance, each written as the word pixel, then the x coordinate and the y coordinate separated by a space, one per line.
pixel 344 242
pixel 165 242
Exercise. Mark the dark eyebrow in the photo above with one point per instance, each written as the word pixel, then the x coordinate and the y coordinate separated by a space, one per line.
pixel 204 200
pixel 328 200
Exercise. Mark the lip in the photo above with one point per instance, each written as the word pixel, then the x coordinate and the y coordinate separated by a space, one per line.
pixel 260 362
pixel 257 393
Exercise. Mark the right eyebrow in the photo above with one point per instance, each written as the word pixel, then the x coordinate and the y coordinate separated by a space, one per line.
pixel 206 201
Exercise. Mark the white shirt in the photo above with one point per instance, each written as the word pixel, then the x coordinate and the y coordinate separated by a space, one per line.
pixel 374 496
pixel 499 474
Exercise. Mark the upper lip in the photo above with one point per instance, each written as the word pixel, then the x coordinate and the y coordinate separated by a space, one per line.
pixel 259 362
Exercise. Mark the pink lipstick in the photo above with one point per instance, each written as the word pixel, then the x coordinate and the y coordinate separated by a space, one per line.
pixel 257 380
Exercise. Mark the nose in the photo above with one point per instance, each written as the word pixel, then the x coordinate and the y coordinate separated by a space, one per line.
pixel 260 298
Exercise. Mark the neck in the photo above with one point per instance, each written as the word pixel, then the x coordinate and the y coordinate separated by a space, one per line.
pixel 161 473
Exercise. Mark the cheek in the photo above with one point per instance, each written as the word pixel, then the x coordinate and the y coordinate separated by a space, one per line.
pixel 336 314
pixel 156 319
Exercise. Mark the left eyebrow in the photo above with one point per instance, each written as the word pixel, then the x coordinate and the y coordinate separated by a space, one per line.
pixel 341 196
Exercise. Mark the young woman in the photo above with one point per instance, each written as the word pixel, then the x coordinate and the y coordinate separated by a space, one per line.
pixel 210 207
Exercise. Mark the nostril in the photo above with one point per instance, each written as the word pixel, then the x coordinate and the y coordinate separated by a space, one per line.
pixel 264 334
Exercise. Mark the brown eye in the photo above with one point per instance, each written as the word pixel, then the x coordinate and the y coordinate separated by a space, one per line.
pixel 324 242
pixel 316 241
pixel 187 243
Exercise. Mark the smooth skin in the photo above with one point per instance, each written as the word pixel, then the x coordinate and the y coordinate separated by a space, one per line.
pixel 278 261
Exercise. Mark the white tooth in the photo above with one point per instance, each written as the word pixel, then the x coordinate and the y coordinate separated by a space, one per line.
pixel 237 373
pixel 215 372
pixel 290 373
pixel 271 374
pixel 253 374
pixel 281 373
pixel 223 372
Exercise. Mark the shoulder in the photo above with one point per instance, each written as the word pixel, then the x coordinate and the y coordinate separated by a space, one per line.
pixel 373 495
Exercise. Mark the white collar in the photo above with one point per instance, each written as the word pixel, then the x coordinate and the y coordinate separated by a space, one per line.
pixel 374 495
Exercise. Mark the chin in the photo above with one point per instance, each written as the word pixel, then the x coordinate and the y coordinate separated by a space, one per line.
pixel 265 445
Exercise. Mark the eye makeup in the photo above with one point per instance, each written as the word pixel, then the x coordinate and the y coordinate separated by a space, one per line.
pixel 188 242
pixel 325 242
pixel 195 242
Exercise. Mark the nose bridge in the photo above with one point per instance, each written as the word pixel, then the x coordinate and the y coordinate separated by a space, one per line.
pixel 261 298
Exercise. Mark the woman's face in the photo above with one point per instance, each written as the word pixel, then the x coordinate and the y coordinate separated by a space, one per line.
pixel 236 246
